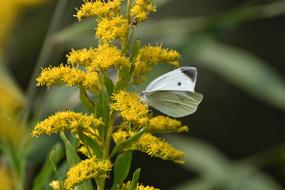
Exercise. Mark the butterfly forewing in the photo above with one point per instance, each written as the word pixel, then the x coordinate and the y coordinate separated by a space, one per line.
pixel 181 79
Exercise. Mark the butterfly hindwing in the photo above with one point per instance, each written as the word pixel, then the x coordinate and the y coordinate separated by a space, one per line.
pixel 174 103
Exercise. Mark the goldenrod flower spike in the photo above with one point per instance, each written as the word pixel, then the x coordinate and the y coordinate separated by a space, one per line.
pixel 126 186
pixel 82 57
pixel 162 124
pixel 87 169
pixel 130 107
pixel 151 55
pixel 151 145
pixel 109 29
pixel 107 57
pixel 141 9
pixel 68 120
pixel 70 76
pixel 98 8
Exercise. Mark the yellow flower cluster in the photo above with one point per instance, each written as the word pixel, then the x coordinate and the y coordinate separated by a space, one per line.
pixel 162 124
pixel 61 121
pixel 109 29
pixel 151 145
pixel 99 59
pixel 126 186
pixel 157 147
pixel 141 9
pixel 98 8
pixel 70 76
pixel 151 55
pixel 130 107
pixel 87 169
pixel 82 57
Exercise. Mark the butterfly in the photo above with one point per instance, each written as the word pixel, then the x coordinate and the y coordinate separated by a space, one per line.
pixel 173 93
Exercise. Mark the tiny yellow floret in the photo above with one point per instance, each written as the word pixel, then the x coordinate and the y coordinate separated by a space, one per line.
pixel 126 186
pixel 130 107
pixel 151 55
pixel 98 8
pixel 67 120
pixel 109 29
pixel 55 185
pixel 162 124
pixel 141 9
pixel 87 169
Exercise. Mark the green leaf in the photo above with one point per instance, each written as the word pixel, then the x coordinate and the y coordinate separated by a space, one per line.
pixel 128 142
pixel 71 154
pixel 73 158
pixel 109 85
pixel 243 70
pixel 121 168
pixel 86 100
pixel 91 143
pixel 42 178
pixel 135 179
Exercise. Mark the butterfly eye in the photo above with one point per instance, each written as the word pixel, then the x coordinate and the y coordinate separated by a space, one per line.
pixel 179 83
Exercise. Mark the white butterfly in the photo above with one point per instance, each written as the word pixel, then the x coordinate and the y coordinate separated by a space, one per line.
pixel 173 93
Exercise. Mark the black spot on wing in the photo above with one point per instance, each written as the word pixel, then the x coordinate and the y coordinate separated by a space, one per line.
pixel 190 72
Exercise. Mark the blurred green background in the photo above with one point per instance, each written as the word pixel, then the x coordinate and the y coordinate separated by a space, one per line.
pixel 236 141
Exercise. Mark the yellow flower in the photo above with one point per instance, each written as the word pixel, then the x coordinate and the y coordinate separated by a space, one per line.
pixel 126 186
pixel 130 107
pixel 106 57
pixel 151 145
pixel 81 57
pixel 99 8
pixel 165 124
pixel 111 29
pixel 157 147
pixel 69 76
pixel 151 55
pixel 87 169
pixel 55 185
pixel 141 9
pixel 67 120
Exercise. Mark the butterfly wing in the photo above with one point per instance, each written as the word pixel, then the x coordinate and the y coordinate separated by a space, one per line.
pixel 174 103
pixel 181 79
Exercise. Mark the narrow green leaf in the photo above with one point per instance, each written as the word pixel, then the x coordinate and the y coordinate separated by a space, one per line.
pixel 109 85
pixel 42 178
pixel 73 158
pixel 121 168
pixel 244 70
pixel 91 143
pixel 86 100
pixel 135 179
pixel 71 155
pixel 128 142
